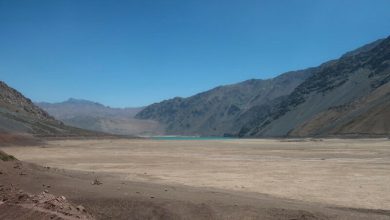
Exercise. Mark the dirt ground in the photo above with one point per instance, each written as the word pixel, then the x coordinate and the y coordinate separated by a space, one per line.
pixel 215 179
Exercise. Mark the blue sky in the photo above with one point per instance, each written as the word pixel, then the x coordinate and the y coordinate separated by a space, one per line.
pixel 136 52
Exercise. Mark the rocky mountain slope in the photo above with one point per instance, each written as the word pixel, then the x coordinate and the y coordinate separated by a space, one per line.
pixel 369 115
pixel 95 116
pixel 296 103
pixel 354 78
pixel 19 115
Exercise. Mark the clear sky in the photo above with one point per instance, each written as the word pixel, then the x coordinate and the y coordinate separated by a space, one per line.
pixel 136 52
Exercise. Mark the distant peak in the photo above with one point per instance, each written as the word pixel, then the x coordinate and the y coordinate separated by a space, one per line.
pixel 76 100
pixel 81 101
pixel 73 100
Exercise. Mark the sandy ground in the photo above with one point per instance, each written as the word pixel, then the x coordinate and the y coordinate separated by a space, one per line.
pixel 351 173
pixel 265 179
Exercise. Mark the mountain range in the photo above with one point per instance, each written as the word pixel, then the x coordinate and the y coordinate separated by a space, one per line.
pixel 346 96
pixel 97 117
pixel 349 96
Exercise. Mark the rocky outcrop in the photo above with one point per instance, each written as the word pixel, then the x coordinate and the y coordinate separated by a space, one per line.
pixel 16 204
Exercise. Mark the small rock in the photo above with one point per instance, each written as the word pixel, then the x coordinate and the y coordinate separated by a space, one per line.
pixel 63 197
pixel 22 174
pixel 96 182
pixel 81 208
pixel 20 197
pixel 46 191
pixel 45 186
pixel 17 166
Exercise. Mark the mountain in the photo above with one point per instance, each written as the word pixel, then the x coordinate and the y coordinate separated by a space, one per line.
pixel 349 86
pixel 18 115
pixel 369 115
pixel 347 96
pixel 95 116
pixel 214 112
pixel 71 107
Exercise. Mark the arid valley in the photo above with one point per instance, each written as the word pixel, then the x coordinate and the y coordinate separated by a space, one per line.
pixel 287 178
pixel 194 110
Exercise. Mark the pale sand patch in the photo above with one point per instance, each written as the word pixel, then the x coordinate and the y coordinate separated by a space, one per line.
pixel 353 173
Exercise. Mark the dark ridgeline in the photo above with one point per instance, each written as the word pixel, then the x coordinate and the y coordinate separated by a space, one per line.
pixel 347 96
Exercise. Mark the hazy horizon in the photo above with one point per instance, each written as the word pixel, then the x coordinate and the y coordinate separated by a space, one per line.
pixel 134 53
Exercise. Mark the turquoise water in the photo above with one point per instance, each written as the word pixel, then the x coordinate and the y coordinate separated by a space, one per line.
pixel 189 138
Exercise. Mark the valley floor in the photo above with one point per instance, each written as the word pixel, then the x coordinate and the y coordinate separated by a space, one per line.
pixel 214 179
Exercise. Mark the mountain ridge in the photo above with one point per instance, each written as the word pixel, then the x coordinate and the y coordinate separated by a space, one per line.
pixel 267 108
pixel 226 102
pixel 339 83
